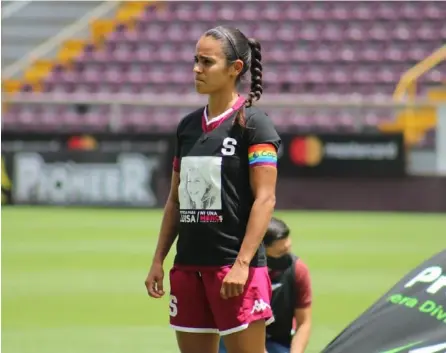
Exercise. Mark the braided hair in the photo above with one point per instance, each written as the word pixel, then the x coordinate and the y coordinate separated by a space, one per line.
pixel 236 46
pixel 256 72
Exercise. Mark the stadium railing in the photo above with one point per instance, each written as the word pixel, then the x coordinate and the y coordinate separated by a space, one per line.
pixel 407 85
pixel 332 104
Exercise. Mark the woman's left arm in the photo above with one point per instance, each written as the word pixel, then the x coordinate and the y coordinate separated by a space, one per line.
pixel 264 143
pixel 263 183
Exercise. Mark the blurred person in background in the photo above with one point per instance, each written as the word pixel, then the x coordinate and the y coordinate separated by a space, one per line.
pixel 219 282
pixel 292 294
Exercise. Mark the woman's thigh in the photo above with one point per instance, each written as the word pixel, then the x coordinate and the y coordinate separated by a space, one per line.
pixel 249 340
pixel 197 342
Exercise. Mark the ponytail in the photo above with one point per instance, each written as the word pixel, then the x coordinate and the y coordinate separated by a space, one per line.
pixel 256 80
pixel 256 72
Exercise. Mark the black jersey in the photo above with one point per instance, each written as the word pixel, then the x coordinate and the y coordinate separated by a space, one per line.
pixel 213 159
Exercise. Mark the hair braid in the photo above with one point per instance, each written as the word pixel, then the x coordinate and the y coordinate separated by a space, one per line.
pixel 256 72
pixel 256 80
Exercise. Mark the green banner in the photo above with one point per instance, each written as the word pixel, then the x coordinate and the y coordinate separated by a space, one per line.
pixel 410 318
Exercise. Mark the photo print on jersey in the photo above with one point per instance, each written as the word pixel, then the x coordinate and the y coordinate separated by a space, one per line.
pixel 200 189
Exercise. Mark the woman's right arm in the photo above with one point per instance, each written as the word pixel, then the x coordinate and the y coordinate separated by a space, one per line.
pixel 170 222
pixel 169 227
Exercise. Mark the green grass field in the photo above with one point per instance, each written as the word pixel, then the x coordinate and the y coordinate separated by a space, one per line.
pixel 73 279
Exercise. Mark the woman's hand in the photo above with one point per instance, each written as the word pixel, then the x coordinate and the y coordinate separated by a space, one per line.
pixel 154 280
pixel 234 281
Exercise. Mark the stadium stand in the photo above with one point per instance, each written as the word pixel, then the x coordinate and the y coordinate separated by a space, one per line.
pixel 343 48
pixel 31 23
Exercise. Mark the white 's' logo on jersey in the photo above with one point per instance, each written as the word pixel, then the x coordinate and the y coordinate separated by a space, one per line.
pixel 228 148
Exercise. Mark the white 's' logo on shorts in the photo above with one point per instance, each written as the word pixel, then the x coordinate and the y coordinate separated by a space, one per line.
pixel 259 306
pixel 173 308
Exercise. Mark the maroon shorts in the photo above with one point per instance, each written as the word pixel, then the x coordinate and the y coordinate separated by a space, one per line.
pixel 196 305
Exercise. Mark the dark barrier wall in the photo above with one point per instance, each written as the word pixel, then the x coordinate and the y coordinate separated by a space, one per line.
pixel 85 178
pixel 423 194
pixel 416 194
pixel 134 171
pixel 100 170
pixel 342 155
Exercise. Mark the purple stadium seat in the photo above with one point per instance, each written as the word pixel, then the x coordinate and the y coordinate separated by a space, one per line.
pixel 362 11
pixel 272 12
pixel 409 11
pixel 322 120
pixel 248 11
pixel 386 11
pixel 355 32
pixel 206 12
pixel 341 11
pixel 364 75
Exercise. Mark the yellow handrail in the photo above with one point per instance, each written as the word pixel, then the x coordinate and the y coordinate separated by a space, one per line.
pixel 408 79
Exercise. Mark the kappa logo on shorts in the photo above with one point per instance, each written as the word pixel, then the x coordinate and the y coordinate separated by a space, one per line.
pixel 259 306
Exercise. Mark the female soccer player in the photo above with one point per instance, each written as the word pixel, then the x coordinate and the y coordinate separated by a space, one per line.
pixel 292 294
pixel 219 282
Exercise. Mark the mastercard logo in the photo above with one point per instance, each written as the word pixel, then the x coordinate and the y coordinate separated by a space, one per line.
pixel 306 151
pixel 83 143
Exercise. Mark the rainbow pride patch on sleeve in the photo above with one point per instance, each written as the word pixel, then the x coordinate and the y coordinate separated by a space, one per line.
pixel 262 154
